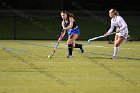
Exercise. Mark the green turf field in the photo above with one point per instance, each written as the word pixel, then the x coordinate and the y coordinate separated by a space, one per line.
pixel 25 68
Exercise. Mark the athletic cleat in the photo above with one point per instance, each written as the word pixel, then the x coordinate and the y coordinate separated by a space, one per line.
pixel 114 57
pixel 82 50
pixel 69 56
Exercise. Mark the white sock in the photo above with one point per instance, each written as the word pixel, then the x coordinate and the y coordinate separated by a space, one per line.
pixel 116 49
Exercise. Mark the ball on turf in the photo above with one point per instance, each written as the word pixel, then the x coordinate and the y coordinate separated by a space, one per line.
pixel 49 56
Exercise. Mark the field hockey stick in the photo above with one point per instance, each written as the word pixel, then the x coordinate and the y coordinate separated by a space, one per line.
pixel 100 37
pixel 56 46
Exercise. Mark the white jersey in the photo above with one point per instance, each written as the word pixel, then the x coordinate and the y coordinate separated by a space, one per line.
pixel 120 25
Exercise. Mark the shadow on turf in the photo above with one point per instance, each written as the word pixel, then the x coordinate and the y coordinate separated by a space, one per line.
pixel 102 58
pixel 113 72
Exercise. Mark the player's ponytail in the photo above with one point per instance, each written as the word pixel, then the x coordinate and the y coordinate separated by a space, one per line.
pixel 71 15
pixel 68 14
pixel 115 12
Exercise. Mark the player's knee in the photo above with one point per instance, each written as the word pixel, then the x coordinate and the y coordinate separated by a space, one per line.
pixel 75 36
pixel 70 45
pixel 116 45
pixel 69 41
pixel 73 44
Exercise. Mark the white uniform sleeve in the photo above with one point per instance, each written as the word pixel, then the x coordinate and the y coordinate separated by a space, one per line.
pixel 111 28
pixel 124 25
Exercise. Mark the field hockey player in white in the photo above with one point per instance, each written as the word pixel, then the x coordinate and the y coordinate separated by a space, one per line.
pixel 121 29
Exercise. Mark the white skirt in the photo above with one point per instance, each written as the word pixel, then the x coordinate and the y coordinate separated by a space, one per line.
pixel 123 33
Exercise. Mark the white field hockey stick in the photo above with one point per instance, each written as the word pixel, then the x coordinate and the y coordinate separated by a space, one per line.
pixel 100 37
pixel 56 46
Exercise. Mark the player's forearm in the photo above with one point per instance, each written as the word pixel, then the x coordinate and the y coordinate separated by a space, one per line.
pixel 66 28
pixel 63 33
pixel 123 27
pixel 110 30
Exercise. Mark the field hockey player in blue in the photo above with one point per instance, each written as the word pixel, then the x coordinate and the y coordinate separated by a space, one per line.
pixel 69 25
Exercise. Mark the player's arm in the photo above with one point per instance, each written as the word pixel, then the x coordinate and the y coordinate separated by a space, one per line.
pixel 110 30
pixel 63 32
pixel 124 25
pixel 70 25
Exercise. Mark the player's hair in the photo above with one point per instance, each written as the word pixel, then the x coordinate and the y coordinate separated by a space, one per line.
pixel 115 12
pixel 68 14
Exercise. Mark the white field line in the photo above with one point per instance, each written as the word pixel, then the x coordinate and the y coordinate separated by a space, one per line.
pixel 98 46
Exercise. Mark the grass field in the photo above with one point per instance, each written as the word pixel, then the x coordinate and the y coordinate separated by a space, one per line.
pixel 25 68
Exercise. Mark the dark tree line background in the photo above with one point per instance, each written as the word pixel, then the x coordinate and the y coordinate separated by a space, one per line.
pixel 129 5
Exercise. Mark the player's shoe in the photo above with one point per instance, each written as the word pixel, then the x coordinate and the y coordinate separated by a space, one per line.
pixel 69 56
pixel 114 57
pixel 82 50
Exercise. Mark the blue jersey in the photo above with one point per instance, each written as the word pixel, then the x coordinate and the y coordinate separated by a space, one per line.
pixel 75 29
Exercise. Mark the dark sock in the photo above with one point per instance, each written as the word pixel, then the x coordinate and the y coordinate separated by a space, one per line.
pixel 78 46
pixel 70 48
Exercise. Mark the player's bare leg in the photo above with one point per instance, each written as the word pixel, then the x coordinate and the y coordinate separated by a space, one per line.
pixel 75 45
pixel 118 41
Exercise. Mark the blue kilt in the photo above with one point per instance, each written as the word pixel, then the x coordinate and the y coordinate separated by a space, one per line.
pixel 75 30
